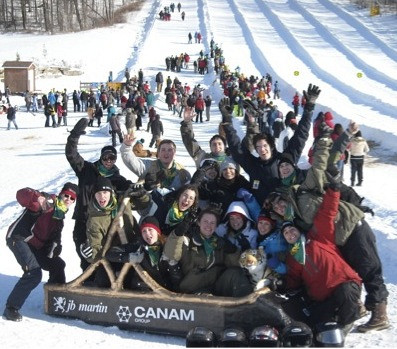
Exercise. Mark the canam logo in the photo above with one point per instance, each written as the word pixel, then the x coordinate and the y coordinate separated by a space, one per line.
pixel 164 313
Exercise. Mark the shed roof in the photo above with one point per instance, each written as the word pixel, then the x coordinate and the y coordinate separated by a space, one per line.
pixel 18 64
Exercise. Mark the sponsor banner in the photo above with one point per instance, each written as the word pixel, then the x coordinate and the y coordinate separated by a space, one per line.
pixel 160 316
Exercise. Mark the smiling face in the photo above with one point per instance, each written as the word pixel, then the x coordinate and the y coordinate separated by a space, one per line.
pixel 286 169
pixel 207 224
pixel 149 235
pixel 263 149
pixel 108 161
pixel 236 221
pixel 229 173
pixel 102 197
pixel 217 146
pixel 166 154
pixel 280 207
pixel 264 227
pixel 186 200
pixel 291 234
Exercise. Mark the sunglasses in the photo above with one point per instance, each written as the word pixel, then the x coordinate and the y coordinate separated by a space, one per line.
pixel 111 158
pixel 70 197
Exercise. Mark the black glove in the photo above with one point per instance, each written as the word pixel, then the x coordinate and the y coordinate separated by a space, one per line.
pixel 183 227
pixel 86 250
pixel 175 275
pixel 277 284
pixel 366 209
pixel 151 181
pixel 79 128
pixel 311 96
pixel 137 190
pixel 334 178
pixel 226 110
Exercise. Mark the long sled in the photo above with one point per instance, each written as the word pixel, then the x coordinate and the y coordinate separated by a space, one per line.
pixel 159 311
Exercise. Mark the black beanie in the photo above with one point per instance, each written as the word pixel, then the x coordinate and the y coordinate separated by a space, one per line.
pixel 286 157
pixel 108 149
pixel 285 225
pixel 103 184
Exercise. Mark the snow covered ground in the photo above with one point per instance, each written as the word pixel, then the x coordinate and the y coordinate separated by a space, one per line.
pixel 351 56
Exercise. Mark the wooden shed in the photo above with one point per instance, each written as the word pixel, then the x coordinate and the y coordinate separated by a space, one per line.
pixel 19 76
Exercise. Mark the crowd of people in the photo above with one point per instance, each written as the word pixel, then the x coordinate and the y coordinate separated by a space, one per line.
pixel 191 229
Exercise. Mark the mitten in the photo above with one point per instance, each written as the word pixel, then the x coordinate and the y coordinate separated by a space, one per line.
pixel 366 209
pixel 135 257
pixel 226 110
pixel 277 284
pixel 86 250
pixel 244 194
pixel 334 178
pixel 151 181
pixel 311 96
pixel 79 128
pixel 137 190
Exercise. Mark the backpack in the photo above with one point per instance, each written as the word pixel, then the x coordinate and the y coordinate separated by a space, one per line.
pixel 191 101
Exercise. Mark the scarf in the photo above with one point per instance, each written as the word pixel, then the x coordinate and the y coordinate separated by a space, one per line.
pixel 219 158
pixel 174 215
pixel 110 208
pixel 169 173
pixel 60 209
pixel 209 244
pixel 103 171
pixel 290 180
pixel 298 250
pixel 154 252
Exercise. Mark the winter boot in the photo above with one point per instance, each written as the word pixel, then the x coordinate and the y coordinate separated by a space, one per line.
pixel 352 184
pixel 362 310
pixel 12 314
pixel 378 320
pixel 359 183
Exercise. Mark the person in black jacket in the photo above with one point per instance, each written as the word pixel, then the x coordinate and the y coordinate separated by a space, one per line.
pixel 87 173
pixel 35 240
pixel 263 170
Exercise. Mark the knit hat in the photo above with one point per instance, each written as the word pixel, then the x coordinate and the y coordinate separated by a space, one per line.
pixel 286 224
pixel 265 217
pixel 228 164
pixel 103 184
pixel 151 222
pixel 286 157
pixel 70 189
pixel 108 150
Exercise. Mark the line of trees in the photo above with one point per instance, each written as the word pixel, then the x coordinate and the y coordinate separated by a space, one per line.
pixel 56 16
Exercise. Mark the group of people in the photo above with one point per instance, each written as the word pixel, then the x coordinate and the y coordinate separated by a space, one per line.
pixel 194 227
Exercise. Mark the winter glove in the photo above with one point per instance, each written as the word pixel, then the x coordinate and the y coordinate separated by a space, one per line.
pixel 86 250
pixel 151 181
pixel 334 178
pixel 243 242
pixel 188 221
pixel 175 274
pixel 244 194
pixel 226 110
pixel 366 209
pixel 311 96
pixel 54 250
pixel 135 257
pixel 277 284
pixel 79 128
pixel 136 190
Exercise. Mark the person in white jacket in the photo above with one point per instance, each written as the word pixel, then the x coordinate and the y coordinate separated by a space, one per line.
pixel 238 227
pixel 359 148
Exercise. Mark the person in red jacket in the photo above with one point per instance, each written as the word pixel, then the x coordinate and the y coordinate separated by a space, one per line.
pixel 35 240
pixel 199 107
pixel 315 262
